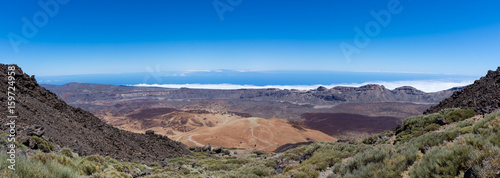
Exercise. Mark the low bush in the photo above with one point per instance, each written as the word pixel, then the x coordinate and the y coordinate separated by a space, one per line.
pixel 455 115
pixel 26 167
pixel 41 144
pixel 444 162
pixel 67 152
pixel 415 126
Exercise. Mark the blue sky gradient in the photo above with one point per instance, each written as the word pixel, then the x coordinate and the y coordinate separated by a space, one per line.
pixel 94 37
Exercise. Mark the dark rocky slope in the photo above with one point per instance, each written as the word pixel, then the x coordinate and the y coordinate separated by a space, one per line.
pixel 75 128
pixel 483 95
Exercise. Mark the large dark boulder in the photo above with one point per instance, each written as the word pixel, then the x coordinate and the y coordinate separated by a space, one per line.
pixel 150 132
pixel 217 149
pixel 207 148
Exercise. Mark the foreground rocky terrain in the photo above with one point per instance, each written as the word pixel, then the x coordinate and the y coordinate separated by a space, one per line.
pixel 41 114
pixel 451 143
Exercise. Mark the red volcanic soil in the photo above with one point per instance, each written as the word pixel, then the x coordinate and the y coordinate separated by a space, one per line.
pixel 339 123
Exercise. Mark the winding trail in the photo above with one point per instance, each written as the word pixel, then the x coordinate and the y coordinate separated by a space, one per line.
pixel 178 138
pixel 198 144
pixel 254 125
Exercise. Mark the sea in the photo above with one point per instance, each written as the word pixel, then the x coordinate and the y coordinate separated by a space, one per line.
pixel 301 80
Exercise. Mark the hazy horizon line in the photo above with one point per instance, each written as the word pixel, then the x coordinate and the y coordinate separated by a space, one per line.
pixel 263 70
pixel 427 86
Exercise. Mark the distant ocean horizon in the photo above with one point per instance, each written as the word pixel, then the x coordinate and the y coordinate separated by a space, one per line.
pixel 301 80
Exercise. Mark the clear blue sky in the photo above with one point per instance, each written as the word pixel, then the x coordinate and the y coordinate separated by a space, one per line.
pixel 91 36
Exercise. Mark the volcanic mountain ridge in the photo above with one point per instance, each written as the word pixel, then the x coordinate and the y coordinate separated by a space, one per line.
pixel 483 95
pixel 53 120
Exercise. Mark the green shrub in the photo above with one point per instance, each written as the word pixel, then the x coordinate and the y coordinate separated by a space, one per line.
pixel 465 130
pixel 258 170
pixel 455 115
pixel 221 167
pixel 324 159
pixel 90 167
pixel 32 168
pixel 303 172
pixel 67 152
pixel 95 158
pixel 48 157
pixel 259 152
pixel 444 162
pixel 43 145
pixel 415 126
pixel 432 127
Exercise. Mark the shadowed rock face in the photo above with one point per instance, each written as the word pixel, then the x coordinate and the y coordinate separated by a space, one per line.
pixel 483 96
pixel 77 129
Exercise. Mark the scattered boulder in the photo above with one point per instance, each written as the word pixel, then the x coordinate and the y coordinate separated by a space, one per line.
pixel 278 170
pixel 217 149
pixel 470 173
pixel 150 132
pixel 206 148
pixel 146 172
pixel 193 163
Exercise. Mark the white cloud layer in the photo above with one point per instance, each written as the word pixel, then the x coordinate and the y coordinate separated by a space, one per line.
pixel 424 85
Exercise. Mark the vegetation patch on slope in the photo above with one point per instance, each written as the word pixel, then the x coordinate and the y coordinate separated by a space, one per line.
pixel 460 146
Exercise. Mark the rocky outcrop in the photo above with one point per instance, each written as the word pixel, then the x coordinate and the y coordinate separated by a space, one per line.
pixel 483 96
pixel 41 113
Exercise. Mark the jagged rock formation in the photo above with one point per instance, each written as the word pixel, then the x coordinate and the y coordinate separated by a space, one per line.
pixel 365 94
pixel 75 128
pixel 483 95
